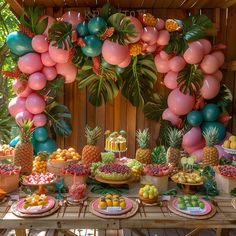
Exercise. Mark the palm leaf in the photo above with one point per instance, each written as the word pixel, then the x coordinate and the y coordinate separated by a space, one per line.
pixel 61 33
pixel 124 29
pixel 190 79
pixel 139 76
pixel 59 116
pixel 78 57
pixel 107 10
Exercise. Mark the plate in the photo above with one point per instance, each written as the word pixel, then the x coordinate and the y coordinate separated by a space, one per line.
pixel 113 182
pixel 229 150
pixel 35 210
pixel 203 212
pixel 129 206
pixel 71 201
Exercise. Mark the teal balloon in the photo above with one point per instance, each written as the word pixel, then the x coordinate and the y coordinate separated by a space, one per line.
pixel 14 141
pixel 93 46
pixel 40 134
pixel 47 146
pixel 120 70
pixel 106 65
pixel 210 112
pixel 194 118
pixel 19 43
pixel 97 25
pixel 82 29
pixel 219 126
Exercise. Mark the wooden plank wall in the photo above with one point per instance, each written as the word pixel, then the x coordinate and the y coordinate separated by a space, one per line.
pixel 119 113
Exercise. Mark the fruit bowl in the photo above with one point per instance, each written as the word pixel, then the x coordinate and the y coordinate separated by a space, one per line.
pixel 147 200
pixel 148 194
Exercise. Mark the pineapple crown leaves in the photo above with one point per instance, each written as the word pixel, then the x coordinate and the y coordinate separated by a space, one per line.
pixel 210 136
pixel 143 138
pixel 159 155
pixel 92 134
pixel 25 131
pixel 31 19
pixel 60 33
pixel 174 137
pixel 123 28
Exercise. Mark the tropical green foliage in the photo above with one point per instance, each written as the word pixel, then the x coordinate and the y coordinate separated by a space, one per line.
pixel 159 155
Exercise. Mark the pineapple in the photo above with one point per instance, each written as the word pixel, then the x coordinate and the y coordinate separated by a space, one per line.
pixel 23 155
pixel 143 153
pixel 90 152
pixel 174 141
pixel 210 155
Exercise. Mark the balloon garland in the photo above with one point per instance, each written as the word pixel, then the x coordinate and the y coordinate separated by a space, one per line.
pixel 113 52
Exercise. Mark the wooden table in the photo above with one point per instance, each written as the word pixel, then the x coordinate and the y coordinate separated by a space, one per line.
pixel 156 217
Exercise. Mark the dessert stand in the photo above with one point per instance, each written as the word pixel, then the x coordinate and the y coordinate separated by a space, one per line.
pixel 232 152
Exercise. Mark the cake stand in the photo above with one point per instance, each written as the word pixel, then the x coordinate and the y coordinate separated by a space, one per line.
pixel 232 152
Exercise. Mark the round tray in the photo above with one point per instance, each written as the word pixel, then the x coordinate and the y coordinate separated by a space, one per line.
pixel 118 182
pixel 6 157
pixel 129 206
pixel 179 212
pixel 51 203
pixel 76 202
pixel 130 213
pixel 22 215
pixel 148 201
pixel 190 184
pixel 229 150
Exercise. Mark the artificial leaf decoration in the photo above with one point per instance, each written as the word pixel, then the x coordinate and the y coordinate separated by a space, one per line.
pixel 107 10
pixel 159 155
pixel 101 87
pixel 124 29
pixel 31 19
pixel 190 79
pixel 78 57
pixel 139 76
pixel 61 34
pixel 154 108
pixel 59 116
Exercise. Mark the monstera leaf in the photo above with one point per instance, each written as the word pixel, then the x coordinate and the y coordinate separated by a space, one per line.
pixel 61 33
pixel 101 87
pixel 31 19
pixel 107 10
pixel 59 117
pixel 139 76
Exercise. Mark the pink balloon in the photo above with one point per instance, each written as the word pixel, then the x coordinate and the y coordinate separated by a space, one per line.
pixel 26 92
pixel 160 24
pixel 206 44
pixel 16 105
pixel 177 63
pixel 209 64
pixel 164 55
pixel 218 75
pixel 222 153
pixel 39 120
pixel 30 63
pixel 170 116
pixel 22 116
pixel 180 103
pixel 138 29
pixel 163 37
pixel 47 60
pixel 151 48
pixel 114 53
pixel 19 86
pixel 73 18
pixel 170 80
pixel 50 72
pixel 194 53
pixel 37 81
pixel 69 70
pixel 161 65
pixel 126 62
pixel 193 137
pixel 198 154
pixel 35 103
pixel 50 22
pixel 210 87
pixel 149 35
pixel 40 43
pixel 191 150
pixel 58 55
pixel 220 57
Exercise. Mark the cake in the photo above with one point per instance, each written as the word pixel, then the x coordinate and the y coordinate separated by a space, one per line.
pixel 77 191
pixel 115 141
pixel 114 172
pixel 111 200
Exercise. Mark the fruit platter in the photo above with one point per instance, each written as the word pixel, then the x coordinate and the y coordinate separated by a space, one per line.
pixel 112 204
pixel 113 174
pixel 192 205
pixel 40 180
pixel 6 152
pixel 228 171
pixel 148 194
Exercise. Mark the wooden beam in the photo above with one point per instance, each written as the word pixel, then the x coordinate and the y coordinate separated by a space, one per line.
pixel 16 8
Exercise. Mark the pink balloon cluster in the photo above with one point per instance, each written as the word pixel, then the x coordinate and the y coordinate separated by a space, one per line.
pixel 41 66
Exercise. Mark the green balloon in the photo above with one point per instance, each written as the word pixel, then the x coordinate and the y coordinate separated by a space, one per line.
pixel 40 134
pixel 219 126
pixel 93 46
pixel 120 70
pixel 48 146
pixel 194 118
pixel 97 25
pixel 210 112
pixel 106 64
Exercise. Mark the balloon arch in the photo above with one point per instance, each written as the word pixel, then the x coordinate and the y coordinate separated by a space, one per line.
pixel 113 52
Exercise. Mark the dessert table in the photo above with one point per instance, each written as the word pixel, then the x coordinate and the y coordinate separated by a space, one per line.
pixel 154 217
